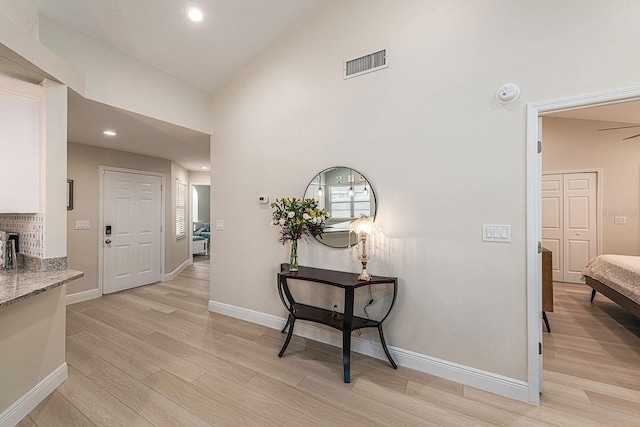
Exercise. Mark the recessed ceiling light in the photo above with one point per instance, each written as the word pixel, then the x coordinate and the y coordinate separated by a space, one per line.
pixel 109 132
pixel 195 14
pixel 204 167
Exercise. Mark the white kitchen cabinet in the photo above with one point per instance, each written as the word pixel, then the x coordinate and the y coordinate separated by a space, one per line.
pixel 19 146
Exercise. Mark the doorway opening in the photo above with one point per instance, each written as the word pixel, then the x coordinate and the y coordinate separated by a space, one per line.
pixel 534 148
pixel 200 197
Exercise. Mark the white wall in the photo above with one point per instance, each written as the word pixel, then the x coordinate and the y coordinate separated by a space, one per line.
pixel 442 154
pixel 104 74
pixel 122 81
pixel 18 39
pixel 16 11
pixel 576 144
pixel 54 161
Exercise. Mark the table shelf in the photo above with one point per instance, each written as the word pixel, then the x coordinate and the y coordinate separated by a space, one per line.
pixel 331 318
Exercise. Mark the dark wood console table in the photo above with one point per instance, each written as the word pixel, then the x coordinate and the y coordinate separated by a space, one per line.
pixel 345 322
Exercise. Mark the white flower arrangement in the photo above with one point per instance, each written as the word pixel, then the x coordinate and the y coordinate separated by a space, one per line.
pixel 297 218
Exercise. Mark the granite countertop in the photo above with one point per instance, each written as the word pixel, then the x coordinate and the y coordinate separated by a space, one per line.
pixel 17 285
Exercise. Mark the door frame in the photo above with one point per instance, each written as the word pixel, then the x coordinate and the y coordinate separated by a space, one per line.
pixel 599 177
pixel 190 234
pixel 101 172
pixel 533 164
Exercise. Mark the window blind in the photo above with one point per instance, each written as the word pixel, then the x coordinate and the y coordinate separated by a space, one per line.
pixel 181 209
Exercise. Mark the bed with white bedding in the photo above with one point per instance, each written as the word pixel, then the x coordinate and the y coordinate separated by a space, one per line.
pixel 617 277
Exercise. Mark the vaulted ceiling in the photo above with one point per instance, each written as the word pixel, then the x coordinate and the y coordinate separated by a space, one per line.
pixel 206 54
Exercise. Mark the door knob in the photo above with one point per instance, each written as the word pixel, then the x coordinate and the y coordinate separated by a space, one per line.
pixel 108 241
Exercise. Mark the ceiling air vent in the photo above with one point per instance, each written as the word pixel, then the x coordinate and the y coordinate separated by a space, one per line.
pixel 365 64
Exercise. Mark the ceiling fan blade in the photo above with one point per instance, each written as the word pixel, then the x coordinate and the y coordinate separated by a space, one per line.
pixel 621 127
pixel 630 137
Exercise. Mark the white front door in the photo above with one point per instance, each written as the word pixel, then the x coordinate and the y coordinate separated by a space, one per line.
pixel 569 222
pixel 132 215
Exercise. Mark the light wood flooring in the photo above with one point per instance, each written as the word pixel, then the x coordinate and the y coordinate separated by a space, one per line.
pixel 155 356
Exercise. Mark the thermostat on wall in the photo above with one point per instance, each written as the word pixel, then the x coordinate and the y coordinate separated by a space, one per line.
pixel 263 199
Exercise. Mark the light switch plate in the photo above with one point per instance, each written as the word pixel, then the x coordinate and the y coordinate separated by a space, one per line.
pixel 83 225
pixel 219 224
pixel 496 233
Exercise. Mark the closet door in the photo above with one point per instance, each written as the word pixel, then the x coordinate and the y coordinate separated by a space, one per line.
pixel 569 222
pixel 553 221
pixel 580 223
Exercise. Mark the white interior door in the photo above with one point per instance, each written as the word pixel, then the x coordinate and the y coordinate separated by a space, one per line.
pixel 553 221
pixel 579 223
pixel 131 206
pixel 569 222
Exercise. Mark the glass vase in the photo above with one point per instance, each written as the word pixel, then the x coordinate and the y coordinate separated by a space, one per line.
pixel 293 259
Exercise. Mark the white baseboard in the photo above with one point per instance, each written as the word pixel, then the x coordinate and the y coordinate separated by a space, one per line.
pixel 95 293
pixel 21 408
pixel 170 276
pixel 252 316
pixel 83 296
pixel 494 383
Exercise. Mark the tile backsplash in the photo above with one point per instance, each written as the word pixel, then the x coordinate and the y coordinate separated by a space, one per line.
pixel 31 229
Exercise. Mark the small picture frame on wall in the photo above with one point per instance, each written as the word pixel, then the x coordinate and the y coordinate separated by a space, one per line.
pixel 69 194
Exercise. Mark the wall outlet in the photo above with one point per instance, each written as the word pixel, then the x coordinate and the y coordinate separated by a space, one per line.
pixel 620 220
pixel 335 313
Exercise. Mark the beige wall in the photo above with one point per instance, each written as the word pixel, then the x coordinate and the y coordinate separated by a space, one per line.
pixel 571 144
pixel 31 343
pixel 199 177
pixel 442 154
pixel 84 162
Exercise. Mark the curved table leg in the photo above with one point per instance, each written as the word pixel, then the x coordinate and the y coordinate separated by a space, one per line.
pixel 593 294
pixel 384 346
pixel 546 321
pixel 291 320
pixel 286 324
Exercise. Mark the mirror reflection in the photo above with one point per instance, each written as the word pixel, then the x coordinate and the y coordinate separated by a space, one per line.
pixel 347 195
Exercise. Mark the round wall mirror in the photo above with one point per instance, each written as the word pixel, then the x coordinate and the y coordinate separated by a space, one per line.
pixel 347 195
